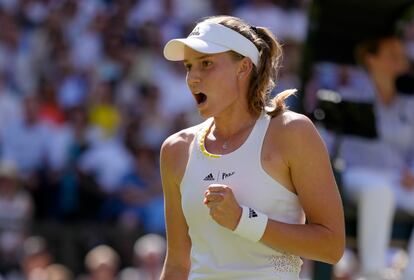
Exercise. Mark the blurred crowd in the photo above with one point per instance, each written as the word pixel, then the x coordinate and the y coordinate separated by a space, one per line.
pixel 86 99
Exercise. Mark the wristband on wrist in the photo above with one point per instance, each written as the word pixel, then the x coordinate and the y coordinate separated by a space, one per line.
pixel 252 224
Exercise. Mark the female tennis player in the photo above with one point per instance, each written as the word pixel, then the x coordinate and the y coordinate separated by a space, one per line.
pixel 239 186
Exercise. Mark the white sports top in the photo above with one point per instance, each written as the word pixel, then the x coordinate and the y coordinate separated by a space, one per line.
pixel 217 252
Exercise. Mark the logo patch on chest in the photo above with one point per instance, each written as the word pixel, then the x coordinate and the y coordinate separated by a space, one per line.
pixel 209 177
pixel 220 176
pixel 224 175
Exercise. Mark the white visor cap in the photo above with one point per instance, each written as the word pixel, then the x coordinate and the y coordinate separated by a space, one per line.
pixel 209 38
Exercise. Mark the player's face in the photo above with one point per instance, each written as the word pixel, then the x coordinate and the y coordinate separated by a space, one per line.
pixel 212 79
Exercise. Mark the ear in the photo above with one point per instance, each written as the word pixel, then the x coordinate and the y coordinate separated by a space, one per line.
pixel 245 68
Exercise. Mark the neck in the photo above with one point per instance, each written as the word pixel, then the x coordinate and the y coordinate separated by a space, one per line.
pixel 230 125
pixel 385 86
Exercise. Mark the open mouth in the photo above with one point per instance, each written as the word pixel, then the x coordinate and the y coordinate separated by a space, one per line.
pixel 200 98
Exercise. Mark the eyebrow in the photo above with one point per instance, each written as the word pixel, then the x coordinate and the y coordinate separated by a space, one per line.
pixel 198 58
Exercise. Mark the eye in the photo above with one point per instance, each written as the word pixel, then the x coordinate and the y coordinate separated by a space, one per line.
pixel 206 63
pixel 187 66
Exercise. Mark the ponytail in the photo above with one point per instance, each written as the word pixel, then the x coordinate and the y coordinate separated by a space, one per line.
pixel 264 80
pixel 278 104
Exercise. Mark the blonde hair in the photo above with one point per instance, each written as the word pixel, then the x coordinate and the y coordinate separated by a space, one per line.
pixel 264 75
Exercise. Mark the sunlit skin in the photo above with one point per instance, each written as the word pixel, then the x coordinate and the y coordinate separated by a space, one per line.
pixel 224 81
pixel 293 154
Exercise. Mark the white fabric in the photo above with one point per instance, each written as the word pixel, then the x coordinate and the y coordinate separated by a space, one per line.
pixel 208 37
pixel 251 227
pixel 218 253
pixel 377 192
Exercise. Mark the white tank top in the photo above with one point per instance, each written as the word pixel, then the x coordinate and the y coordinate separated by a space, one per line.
pixel 217 252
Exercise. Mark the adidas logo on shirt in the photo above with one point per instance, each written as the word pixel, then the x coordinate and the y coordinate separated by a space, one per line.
pixel 252 213
pixel 209 177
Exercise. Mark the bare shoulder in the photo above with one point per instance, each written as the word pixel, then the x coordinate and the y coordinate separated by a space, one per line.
pixel 179 141
pixel 293 126
pixel 175 152
pixel 296 136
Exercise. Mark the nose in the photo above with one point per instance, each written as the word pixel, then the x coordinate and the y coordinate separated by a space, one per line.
pixel 193 77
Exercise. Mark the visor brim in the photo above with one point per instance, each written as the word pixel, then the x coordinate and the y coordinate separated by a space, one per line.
pixel 174 49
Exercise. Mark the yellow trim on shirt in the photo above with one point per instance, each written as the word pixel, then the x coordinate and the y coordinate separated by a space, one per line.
pixel 201 144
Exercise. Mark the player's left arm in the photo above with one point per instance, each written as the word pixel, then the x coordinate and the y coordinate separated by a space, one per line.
pixel 323 237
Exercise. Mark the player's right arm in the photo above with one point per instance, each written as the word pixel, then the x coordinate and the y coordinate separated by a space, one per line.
pixel 173 161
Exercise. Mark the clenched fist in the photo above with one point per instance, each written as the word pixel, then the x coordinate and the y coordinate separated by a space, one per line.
pixel 223 206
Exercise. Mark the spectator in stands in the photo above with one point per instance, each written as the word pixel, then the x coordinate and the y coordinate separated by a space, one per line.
pixel 154 120
pixel 379 174
pixel 105 164
pixel 16 210
pixel 141 192
pixel 10 105
pixel 102 263
pixel 149 252
pixel 25 141
pixel 103 111
pixel 57 272
pixel 36 257
pixel 77 198
pixel 50 111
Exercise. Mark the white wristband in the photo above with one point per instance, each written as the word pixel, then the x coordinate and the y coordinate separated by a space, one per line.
pixel 252 224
